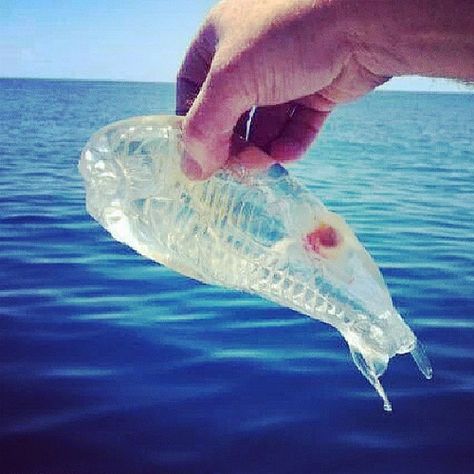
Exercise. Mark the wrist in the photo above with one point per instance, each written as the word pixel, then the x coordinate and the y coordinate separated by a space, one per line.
pixel 426 37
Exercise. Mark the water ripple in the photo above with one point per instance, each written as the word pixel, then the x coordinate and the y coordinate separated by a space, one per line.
pixel 111 361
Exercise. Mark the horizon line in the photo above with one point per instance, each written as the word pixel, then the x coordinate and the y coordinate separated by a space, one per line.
pixel 148 81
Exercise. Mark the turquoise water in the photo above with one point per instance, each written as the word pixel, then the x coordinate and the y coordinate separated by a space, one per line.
pixel 113 364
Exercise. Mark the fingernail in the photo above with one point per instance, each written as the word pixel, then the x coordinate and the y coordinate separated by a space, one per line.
pixel 191 168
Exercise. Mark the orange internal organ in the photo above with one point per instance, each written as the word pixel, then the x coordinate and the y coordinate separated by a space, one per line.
pixel 324 237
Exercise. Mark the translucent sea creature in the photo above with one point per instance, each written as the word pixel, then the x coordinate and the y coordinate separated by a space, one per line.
pixel 258 231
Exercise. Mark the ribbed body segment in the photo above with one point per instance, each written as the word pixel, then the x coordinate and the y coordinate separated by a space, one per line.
pixel 259 232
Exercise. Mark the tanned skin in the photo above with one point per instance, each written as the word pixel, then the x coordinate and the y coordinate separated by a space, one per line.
pixel 295 60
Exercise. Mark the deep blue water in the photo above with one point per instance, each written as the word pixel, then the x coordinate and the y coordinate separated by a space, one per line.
pixel 113 364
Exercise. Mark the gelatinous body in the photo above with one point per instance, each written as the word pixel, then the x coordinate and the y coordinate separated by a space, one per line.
pixel 259 232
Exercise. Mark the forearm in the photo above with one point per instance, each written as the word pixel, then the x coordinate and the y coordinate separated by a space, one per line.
pixel 426 37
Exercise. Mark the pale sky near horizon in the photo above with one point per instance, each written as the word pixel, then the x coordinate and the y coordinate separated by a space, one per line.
pixel 118 40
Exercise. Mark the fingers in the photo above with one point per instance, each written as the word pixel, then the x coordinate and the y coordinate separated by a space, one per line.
pixel 298 134
pixel 194 69
pixel 210 93
pixel 268 123
pixel 306 119
pixel 286 131
pixel 253 158
pixel 209 124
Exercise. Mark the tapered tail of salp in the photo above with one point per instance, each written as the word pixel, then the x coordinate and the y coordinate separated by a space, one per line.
pixel 372 366
pixel 421 359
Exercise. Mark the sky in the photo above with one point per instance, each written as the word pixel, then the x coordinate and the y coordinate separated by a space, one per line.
pixel 141 40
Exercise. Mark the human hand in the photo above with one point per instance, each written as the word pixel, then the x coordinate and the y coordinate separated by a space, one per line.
pixel 291 60
pixel 295 60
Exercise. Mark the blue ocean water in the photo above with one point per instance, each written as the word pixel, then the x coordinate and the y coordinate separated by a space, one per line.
pixel 113 364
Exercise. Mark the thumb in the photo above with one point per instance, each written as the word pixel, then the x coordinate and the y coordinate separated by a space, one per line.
pixel 209 124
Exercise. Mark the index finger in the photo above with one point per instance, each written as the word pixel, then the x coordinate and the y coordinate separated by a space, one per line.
pixel 195 68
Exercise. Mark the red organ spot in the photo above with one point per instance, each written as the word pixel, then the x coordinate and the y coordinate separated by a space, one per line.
pixel 324 236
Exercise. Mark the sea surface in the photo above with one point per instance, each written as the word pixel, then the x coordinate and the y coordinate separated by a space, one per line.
pixel 113 364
